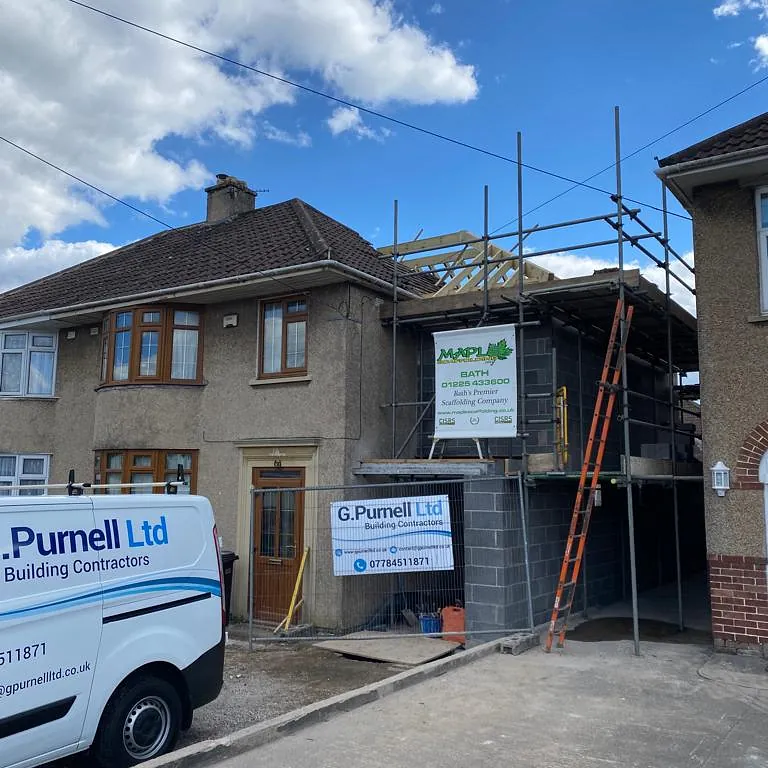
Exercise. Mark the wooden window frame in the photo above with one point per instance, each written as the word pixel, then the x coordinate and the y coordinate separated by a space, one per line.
pixel 157 468
pixel 287 318
pixel 164 328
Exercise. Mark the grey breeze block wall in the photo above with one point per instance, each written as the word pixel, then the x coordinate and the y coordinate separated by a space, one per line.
pixel 495 578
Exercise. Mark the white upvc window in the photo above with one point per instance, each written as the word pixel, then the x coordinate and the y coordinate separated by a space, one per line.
pixel 26 470
pixel 761 200
pixel 27 363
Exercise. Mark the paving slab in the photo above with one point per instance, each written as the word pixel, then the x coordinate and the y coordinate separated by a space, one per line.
pixel 393 649
pixel 592 705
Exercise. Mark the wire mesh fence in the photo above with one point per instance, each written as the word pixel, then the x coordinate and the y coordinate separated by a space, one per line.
pixel 327 561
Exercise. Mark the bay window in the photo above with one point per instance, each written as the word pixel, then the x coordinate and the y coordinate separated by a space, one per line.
pixel 27 363
pixel 145 466
pixel 283 337
pixel 152 345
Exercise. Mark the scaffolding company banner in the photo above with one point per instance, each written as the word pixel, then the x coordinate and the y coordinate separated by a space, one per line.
pixel 391 535
pixel 476 383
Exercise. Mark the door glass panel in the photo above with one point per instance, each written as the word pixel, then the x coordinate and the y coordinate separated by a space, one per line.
pixel 287 523
pixel 268 523
pixel 41 373
pixel 10 372
pixel 274 474
pixel 296 345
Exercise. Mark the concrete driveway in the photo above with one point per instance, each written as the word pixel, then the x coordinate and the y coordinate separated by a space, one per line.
pixel 594 704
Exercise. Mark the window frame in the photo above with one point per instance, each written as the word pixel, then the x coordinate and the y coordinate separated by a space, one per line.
pixel 26 356
pixel 762 249
pixel 19 475
pixel 157 466
pixel 286 319
pixel 164 328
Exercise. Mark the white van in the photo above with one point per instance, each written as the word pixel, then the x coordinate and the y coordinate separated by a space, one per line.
pixel 111 625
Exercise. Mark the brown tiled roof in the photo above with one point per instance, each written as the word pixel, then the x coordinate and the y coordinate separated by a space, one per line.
pixel 749 135
pixel 282 235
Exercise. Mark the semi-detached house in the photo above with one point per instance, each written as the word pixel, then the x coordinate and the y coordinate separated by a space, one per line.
pixel 230 346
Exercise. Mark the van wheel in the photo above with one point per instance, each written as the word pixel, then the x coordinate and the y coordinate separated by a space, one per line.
pixel 141 721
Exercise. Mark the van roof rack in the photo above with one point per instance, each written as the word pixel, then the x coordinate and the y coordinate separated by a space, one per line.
pixel 78 489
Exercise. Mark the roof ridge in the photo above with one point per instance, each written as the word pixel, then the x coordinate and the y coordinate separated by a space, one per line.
pixel 307 223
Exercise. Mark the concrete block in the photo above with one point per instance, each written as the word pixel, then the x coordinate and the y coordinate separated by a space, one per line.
pixel 482 537
pixel 486 556
pixel 481 574
pixel 486 519
pixel 521 643
pixel 482 612
pixel 496 596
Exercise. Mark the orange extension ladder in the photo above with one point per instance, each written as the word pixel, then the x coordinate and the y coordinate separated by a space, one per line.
pixel 569 571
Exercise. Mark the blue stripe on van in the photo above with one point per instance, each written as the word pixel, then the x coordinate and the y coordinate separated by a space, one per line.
pixel 133 588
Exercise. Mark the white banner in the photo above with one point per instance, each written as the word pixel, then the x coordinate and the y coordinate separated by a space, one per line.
pixel 391 535
pixel 476 382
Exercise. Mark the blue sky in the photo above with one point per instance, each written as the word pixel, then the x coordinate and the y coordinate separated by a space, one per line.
pixel 476 71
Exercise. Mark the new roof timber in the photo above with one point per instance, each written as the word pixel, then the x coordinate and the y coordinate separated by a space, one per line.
pixel 462 270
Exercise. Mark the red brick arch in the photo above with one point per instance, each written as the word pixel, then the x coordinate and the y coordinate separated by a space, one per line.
pixel 746 477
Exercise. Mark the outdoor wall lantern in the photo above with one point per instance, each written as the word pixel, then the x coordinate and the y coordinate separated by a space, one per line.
pixel 721 478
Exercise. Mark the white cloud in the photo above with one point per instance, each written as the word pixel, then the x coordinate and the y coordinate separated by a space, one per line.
pixel 735 7
pixel 761 49
pixel 348 119
pixel 22 265
pixel 565 265
pixel 99 98
pixel 300 139
pixel 436 9
pixel 731 46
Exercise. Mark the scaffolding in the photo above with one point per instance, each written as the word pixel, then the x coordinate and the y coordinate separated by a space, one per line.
pixel 464 265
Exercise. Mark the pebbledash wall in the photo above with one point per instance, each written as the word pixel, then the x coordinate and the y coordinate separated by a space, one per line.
pixel 732 342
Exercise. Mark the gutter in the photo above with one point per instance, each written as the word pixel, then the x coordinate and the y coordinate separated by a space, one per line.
pixel 250 277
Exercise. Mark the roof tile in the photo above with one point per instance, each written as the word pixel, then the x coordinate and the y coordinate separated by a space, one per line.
pixel 287 234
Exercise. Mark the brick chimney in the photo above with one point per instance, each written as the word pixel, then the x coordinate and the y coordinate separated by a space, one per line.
pixel 228 197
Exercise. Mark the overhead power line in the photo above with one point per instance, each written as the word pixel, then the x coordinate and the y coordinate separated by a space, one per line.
pixel 190 233
pixel 360 107
pixel 636 152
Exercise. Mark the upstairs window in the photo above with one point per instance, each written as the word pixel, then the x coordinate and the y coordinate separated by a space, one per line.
pixel 152 345
pixel 27 363
pixel 762 241
pixel 27 471
pixel 283 337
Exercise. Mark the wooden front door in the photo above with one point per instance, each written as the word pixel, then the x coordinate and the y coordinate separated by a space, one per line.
pixel 278 540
